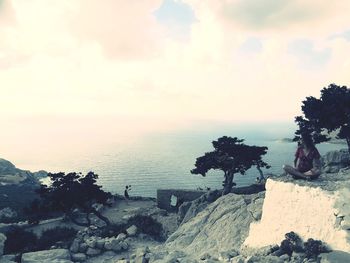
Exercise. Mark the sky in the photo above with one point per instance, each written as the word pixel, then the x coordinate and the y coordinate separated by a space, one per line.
pixel 151 64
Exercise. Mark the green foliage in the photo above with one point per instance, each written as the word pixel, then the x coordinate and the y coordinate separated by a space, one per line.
pixel 19 240
pixel 328 113
pixel 293 243
pixel 50 237
pixel 231 156
pixel 68 192
pixel 314 247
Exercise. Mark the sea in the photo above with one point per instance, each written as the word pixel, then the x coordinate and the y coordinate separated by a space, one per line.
pixel 162 160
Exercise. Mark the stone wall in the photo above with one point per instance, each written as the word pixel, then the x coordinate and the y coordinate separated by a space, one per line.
pixel 164 197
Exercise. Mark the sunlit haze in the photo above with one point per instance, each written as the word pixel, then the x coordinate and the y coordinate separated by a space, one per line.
pixel 97 71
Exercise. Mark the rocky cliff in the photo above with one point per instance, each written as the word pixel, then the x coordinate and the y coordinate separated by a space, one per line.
pixel 313 209
pixel 244 228
pixel 17 187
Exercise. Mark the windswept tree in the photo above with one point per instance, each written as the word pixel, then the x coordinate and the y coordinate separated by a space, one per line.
pixel 307 127
pixel 69 192
pixel 231 156
pixel 331 112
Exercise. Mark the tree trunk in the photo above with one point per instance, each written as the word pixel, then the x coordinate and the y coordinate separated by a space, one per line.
pixel 224 182
pixel 103 218
pixel 228 183
pixel 348 142
pixel 88 218
pixel 261 174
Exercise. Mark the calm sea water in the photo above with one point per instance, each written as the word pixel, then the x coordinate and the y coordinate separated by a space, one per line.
pixel 165 160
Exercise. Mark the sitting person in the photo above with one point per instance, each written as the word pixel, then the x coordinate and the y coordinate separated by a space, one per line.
pixel 307 164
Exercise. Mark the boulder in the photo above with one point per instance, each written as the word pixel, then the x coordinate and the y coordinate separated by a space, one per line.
pixel 74 246
pixel 112 244
pixel 2 243
pixel 312 209
pixel 335 257
pixel 91 241
pixel 131 231
pixel 100 243
pixel 121 236
pixel 333 161
pixel 222 226
pixel 93 251
pixel 79 257
pixel 190 209
pixel 53 255
pixel 8 258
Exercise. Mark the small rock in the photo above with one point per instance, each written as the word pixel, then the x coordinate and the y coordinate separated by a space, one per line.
pixel 124 245
pixel 54 255
pixel 113 244
pixel 91 242
pixel 142 251
pixel 284 257
pixel 131 231
pixel 100 243
pixel 8 258
pixel 83 247
pixel 238 259
pixel 121 236
pixel 80 257
pixel 227 255
pixel 93 251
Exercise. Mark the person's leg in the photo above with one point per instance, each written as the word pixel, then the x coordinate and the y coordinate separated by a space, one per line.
pixel 294 172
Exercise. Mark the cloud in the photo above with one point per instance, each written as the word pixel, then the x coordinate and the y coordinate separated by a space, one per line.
pixel 7 14
pixel 308 56
pixel 124 29
pixel 86 58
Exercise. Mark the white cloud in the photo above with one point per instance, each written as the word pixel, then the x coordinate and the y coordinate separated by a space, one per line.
pixel 89 58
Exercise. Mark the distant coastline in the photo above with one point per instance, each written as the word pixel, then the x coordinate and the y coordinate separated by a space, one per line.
pixel 331 141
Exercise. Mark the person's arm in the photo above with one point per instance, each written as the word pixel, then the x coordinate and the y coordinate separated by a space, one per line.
pixel 316 165
pixel 296 162
pixel 316 169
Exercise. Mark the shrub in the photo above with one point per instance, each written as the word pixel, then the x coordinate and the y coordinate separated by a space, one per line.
pixel 147 225
pixel 19 240
pixel 293 243
pixel 50 237
pixel 113 230
pixel 314 247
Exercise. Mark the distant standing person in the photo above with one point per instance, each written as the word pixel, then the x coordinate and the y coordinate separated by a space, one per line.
pixel 307 164
pixel 126 193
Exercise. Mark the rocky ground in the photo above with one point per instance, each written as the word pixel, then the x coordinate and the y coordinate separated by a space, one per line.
pixel 216 229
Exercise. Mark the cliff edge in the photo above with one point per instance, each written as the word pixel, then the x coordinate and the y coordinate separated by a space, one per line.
pixel 313 209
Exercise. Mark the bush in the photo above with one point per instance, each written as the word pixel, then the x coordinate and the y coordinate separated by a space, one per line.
pixel 147 225
pixel 293 243
pixel 314 247
pixel 113 230
pixel 50 237
pixel 19 240
pixel 144 224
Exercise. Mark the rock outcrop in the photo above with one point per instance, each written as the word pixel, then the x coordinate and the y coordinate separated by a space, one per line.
pixel 9 174
pixel 333 161
pixel 313 209
pixel 218 230
pixel 12 182
pixel 53 255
